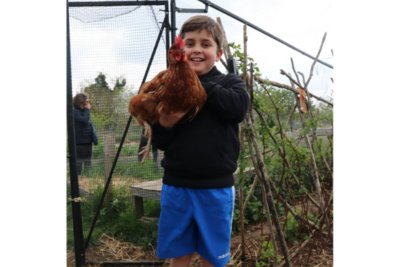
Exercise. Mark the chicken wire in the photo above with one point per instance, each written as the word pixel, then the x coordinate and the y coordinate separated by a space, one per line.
pixel 116 41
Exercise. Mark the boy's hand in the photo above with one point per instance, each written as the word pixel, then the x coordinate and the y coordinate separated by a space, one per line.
pixel 168 120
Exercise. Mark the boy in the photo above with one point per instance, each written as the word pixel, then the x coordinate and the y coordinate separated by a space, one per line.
pixel 197 199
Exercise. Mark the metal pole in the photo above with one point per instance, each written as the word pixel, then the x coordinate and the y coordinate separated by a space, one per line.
pixel 206 2
pixel 76 208
pixel 123 139
pixel 165 22
pixel 107 183
pixel 117 3
pixel 173 20
pixel 167 33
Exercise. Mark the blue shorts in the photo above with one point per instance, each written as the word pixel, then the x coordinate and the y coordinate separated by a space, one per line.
pixel 196 220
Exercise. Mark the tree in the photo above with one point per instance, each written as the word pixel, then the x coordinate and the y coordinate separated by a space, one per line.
pixel 108 105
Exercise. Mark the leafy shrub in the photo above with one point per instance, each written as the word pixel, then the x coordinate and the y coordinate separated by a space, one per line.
pixel 293 230
pixel 116 218
pixel 266 258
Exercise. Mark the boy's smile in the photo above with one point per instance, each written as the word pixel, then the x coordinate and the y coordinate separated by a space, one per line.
pixel 202 51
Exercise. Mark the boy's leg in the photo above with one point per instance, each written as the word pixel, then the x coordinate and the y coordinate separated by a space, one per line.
pixel 205 263
pixel 183 261
pixel 213 215
pixel 177 231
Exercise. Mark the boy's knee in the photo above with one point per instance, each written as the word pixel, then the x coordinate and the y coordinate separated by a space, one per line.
pixel 183 261
pixel 205 263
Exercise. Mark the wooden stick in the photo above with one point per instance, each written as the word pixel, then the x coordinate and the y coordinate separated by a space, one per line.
pixel 285 160
pixel 227 51
pixel 315 61
pixel 264 178
pixel 258 163
pixel 287 87
pixel 250 193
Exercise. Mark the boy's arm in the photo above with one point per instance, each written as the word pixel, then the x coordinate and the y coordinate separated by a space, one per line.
pixel 163 131
pixel 230 101
pixel 162 136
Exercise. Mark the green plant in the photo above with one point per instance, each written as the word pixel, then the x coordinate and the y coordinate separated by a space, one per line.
pixel 146 170
pixel 129 150
pixel 254 209
pixel 293 230
pixel 151 208
pixel 116 218
pixel 93 171
pixel 98 150
pixel 267 255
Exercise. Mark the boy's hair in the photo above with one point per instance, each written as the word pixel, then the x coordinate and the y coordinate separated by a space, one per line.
pixel 201 22
pixel 79 99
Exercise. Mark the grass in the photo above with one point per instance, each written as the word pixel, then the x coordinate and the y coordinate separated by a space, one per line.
pixel 116 218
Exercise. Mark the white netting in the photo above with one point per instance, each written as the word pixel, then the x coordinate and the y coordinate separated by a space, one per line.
pixel 95 14
pixel 117 41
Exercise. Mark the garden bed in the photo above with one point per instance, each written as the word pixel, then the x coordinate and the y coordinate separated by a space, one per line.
pixel 318 252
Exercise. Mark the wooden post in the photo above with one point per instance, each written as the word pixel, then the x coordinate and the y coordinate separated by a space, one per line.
pixel 258 160
pixel 139 207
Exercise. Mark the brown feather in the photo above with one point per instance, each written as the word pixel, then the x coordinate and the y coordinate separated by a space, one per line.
pixel 176 89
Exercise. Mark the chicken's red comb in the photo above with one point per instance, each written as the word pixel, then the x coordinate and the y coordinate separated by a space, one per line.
pixel 179 41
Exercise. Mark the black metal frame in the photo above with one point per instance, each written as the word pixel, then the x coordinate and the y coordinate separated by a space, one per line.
pixel 226 12
pixel 170 27
pixel 76 207
pixel 79 246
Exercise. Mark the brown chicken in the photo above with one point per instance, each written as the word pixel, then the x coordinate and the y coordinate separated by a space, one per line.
pixel 176 89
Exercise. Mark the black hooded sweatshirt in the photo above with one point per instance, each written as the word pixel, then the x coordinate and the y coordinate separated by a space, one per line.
pixel 203 152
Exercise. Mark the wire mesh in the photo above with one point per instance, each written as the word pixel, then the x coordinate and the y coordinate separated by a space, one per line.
pixel 110 50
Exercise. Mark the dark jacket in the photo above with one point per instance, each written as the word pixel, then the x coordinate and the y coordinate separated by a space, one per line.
pixel 83 129
pixel 203 153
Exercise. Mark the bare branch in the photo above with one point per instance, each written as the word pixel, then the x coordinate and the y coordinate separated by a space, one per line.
pixel 227 50
pixel 315 61
pixel 294 70
pixel 284 86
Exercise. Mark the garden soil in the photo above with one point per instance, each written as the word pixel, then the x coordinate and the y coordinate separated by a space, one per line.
pixel 317 253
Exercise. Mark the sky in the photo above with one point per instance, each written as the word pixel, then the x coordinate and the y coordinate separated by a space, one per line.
pixel 364 36
pixel 299 23
pixel 116 47
pixel 103 46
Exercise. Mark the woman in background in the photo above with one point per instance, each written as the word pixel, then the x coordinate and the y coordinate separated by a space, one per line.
pixel 85 133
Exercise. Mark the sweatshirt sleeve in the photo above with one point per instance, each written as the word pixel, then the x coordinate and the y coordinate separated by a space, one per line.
pixel 229 100
pixel 162 136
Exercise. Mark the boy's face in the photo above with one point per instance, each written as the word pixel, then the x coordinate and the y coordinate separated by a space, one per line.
pixel 202 51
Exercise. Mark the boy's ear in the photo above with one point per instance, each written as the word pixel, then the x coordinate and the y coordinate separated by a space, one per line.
pixel 219 54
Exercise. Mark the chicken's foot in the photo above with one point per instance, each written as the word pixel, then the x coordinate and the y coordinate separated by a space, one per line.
pixel 148 135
